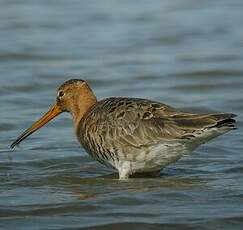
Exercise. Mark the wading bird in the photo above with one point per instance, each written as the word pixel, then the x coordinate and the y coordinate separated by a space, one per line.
pixel 132 135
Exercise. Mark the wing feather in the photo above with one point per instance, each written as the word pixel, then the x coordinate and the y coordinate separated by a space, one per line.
pixel 140 122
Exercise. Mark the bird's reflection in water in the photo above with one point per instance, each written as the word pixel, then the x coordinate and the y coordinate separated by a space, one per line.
pixel 109 185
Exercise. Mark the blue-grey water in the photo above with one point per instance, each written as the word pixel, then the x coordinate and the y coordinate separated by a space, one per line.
pixel 185 53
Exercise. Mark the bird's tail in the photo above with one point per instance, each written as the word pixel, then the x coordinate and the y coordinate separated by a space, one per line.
pixel 224 120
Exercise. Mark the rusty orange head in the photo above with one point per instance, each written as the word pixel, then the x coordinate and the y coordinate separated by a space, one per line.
pixel 74 96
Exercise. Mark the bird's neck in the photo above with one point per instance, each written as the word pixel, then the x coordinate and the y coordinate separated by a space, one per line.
pixel 82 107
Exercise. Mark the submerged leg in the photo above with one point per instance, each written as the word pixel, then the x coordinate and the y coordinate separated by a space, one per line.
pixel 125 170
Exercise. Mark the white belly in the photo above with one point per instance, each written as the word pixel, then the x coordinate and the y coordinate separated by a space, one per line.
pixel 151 159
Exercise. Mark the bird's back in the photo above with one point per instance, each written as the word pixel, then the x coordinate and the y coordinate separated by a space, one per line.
pixel 129 129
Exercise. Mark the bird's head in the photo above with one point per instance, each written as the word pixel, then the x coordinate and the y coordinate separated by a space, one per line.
pixel 74 96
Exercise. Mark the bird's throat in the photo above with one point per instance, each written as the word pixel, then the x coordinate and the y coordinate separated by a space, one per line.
pixel 80 109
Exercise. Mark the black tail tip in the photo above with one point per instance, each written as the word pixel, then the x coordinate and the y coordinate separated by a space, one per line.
pixel 228 122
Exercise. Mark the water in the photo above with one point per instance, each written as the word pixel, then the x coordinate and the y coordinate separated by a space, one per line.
pixel 184 53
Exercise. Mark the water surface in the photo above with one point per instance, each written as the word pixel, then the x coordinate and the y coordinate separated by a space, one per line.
pixel 185 53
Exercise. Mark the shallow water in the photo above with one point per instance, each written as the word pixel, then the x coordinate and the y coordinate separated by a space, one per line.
pixel 184 53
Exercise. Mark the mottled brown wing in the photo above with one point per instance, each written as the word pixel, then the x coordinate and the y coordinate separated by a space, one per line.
pixel 140 122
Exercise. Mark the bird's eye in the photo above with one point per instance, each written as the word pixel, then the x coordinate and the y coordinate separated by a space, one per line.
pixel 60 94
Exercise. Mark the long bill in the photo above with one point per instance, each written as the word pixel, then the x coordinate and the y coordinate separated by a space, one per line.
pixel 53 112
